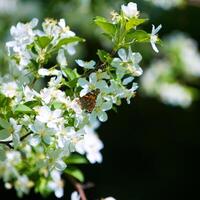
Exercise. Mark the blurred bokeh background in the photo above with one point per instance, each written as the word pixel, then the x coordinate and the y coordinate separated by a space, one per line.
pixel 151 146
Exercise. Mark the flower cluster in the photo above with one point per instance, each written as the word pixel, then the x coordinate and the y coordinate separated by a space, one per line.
pixel 49 110
pixel 168 77
pixel 167 4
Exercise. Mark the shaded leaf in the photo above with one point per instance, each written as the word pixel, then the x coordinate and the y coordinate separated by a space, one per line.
pixel 76 173
pixel 4 134
pixel 2 154
pixel 76 159
pixel 4 124
pixel 103 55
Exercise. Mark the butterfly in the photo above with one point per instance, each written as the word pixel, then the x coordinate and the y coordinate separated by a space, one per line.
pixel 88 101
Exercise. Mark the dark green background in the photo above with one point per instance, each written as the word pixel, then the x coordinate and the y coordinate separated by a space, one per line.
pixel 151 150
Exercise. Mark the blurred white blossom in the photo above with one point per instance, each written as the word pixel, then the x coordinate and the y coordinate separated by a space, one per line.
pixel 8 6
pixel 91 145
pixel 167 4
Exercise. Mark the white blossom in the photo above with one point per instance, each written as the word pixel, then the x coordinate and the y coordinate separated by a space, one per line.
pixel 100 110
pixel 16 128
pixel 56 184
pixel 175 94
pixel 41 132
pixel 51 118
pixel 61 58
pixel 75 196
pixel 91 145
pixel 109 198
pixel 167 4
pixel 130 10
pixel 127 62
pixel 154 37
pixel 23 185
pixel 86 65
pixel 92 84
pixel 9 89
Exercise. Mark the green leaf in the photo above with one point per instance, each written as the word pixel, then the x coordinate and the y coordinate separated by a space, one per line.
pixel 4 124
pixel 138 36
pixel 76 159
pixel 41 186
pixel 133 22
pixel 69 40
pixel 2 153
pixel 70 73
pixel 57 105
pixel 75 172
pixel 72 83
pixel 4 134
pixel 3 99
pixel 106 26
pixel 103 55
pixel 43 41
pixel 32 104
pixel 23 109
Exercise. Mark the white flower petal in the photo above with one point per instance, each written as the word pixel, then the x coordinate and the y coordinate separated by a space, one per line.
pixel 102 116
pixel 75 196
pixel 128 80
pixel 83 82
pixel 106 106
pixel 154 47
pixel 122 54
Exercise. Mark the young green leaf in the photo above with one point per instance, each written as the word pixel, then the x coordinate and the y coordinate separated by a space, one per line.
pixel 76 159
pixel 22 109
pixel 106 26
pixel 103 55
pixel 71 74
pixel 43 41
pixel 138 36
pixel 66 41
pixel 57 105
pixel 133 22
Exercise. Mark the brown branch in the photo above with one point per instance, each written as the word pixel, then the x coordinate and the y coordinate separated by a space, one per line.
pixel 79 187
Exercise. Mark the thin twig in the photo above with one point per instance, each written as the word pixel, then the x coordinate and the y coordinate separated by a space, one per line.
pixel 8 143
pixel 33 82
pixel 79 187
pixel 99 66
